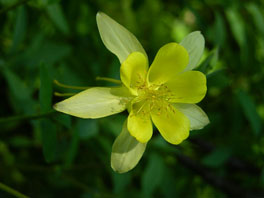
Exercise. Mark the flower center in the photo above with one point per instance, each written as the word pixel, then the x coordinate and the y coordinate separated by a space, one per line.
pixel 152 98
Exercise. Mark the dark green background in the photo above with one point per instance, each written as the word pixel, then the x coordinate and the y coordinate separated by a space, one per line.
pixel 57 155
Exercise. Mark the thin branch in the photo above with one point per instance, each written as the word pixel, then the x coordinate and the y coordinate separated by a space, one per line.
pixel 86 188
pixel 228 187
pixel 12 191
pixel 63 94
pixel 233 162
pixel 13 6
pixel 26 117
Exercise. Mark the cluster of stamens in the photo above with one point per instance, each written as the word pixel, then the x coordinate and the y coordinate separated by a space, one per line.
pixel 152 98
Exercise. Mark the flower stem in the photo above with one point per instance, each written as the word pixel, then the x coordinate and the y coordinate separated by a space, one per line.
pixel 26 117
pixel 108 80
pixel 12 191
pixel 69 86
pixel 63 94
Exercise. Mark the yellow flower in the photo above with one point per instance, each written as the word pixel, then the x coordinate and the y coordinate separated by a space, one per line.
pixel 164 93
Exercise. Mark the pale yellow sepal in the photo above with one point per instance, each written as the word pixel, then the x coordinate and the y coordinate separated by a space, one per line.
pixel 95 102
pixel 126 151
pixel 116 38
pixel 194 44
pixel 198 118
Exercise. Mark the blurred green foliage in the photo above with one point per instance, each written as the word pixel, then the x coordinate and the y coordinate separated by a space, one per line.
pixel 55 155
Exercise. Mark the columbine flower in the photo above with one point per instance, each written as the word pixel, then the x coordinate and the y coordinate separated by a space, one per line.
pixel 164 93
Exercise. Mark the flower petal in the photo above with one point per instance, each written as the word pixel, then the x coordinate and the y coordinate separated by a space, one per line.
pixel 139 123
pixel 198 118
pixel 126 151
pixel 95 102
pixel 172 124
pixel 187 87
pixel 194 44
pixel 116 38
pixel 133 71
pixel 171 59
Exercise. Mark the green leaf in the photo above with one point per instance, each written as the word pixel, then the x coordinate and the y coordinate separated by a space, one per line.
pixel 217 157
pixel 153 174
pixel 161 144
pixel 210 62
pixel 56 14
pixel 237 26
pixel 257 15
pixel 73 149
pixel 87 128
pixel 63 119
pixel 21 94
pixel 121 181
pixel 18 88
pixel 47 52
pixel 7 2
pixel 45 92
pixel 20 28
pixel 20 141
pixel 113 124
pixel 219 31
pixel 172 187
pixel 218 79
pixel 250 111
pixel 49 139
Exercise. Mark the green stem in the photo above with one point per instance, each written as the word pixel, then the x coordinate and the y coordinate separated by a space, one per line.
pixel 86 188
pixel 26 117
pixel 12 191
pixel 108 80
pixel 63 94
pixel 69 86
pixel 13 6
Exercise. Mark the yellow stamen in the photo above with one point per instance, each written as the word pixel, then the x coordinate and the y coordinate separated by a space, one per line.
pixel 98 78
pixel 69 86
